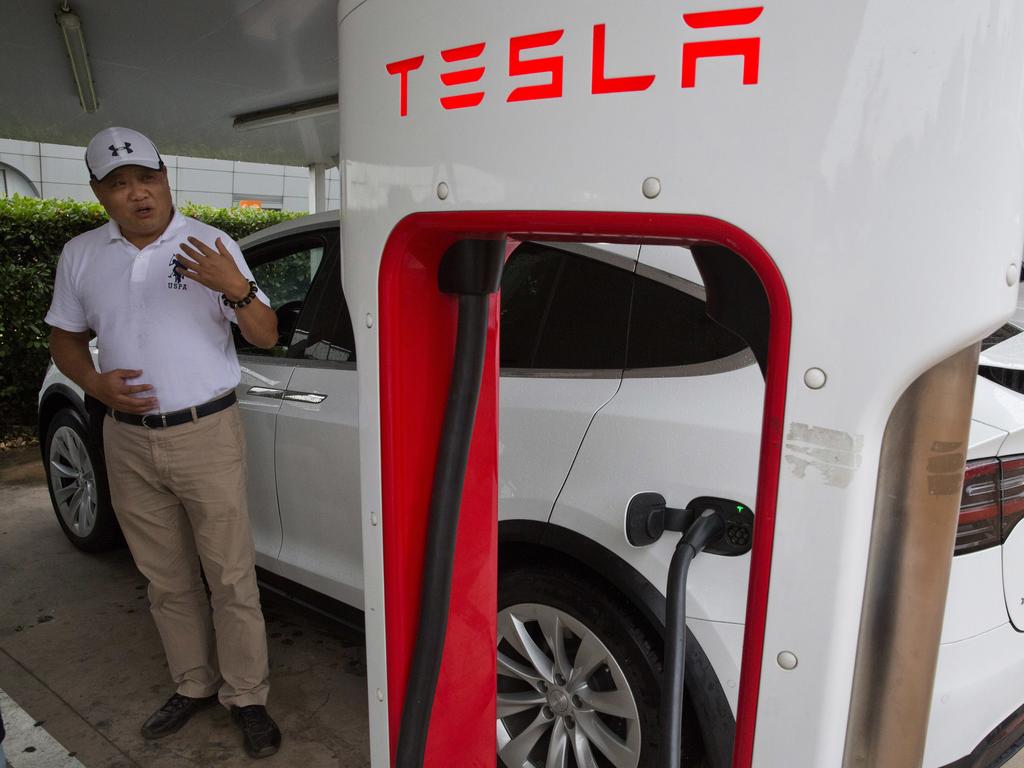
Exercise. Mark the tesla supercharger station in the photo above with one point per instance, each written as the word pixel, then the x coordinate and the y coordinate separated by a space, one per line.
pixel 858 163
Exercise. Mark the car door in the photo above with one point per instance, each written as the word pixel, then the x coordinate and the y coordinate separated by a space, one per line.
pixel 686 422
pixel 285 270
pixel 317 448
pixel 564 310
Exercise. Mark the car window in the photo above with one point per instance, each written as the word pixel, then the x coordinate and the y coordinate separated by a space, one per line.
pixel 323 332
pixel 527 284
pixel 284 271
pixel 562 311
pixel 669 327
pixel 998 336
pixel 287 279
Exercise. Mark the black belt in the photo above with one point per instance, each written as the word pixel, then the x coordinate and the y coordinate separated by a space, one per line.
pixel 174 418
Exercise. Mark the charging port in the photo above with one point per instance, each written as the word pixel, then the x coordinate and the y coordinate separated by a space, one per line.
pixel 648 517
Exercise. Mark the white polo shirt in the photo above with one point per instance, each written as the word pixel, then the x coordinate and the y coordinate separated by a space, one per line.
pixel 176 331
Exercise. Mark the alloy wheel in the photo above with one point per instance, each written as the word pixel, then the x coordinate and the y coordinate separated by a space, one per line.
pixel 563 699
pixel 73 481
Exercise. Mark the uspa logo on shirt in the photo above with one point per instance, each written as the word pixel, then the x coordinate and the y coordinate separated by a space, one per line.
pixel 178 283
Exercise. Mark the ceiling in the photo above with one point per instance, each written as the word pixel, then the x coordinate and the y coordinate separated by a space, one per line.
pixel 179 71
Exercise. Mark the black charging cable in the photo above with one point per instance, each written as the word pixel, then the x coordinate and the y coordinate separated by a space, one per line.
pixel 470 269
pixel 709 524
pixel 707 528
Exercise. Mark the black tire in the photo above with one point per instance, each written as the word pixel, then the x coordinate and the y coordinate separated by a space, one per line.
pixel 613 622
pixel 68 444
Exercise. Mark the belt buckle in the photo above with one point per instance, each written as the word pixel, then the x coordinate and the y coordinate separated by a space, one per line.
pixel 161 416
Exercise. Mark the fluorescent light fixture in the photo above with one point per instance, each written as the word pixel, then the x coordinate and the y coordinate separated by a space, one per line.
pixel 74 44
pixel 287 113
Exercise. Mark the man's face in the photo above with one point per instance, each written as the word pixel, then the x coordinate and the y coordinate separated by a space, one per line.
pixel 138 199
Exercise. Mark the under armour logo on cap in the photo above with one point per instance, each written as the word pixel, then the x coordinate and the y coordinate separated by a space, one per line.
pixel 113 147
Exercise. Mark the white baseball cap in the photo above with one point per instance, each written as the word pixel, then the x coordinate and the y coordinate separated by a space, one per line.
pixel 113 147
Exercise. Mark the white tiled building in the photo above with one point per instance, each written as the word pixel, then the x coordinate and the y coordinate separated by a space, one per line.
pixel 42 170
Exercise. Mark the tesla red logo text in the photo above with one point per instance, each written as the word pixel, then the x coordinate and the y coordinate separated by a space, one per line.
pixel 466 70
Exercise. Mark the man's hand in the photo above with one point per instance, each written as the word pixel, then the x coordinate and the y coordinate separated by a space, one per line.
pixel 216 269
pixel 70 351
pixel 113 390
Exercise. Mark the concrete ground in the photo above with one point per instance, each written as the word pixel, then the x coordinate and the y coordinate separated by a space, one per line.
pixel 80 658
pixel 78 651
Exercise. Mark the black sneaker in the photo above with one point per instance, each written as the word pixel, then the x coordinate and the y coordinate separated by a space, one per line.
pixel 260 733
pixel 175 712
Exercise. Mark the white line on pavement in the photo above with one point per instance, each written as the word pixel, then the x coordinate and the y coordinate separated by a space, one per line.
pixel 28 745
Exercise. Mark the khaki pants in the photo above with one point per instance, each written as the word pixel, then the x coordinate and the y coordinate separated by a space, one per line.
pixel 179 494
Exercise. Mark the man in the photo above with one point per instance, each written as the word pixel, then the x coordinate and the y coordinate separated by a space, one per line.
pixel 160 291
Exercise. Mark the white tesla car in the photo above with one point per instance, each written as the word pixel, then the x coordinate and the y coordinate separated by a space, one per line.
pixel 598 403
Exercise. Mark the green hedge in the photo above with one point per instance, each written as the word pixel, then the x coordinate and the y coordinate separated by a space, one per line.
pixel 32 234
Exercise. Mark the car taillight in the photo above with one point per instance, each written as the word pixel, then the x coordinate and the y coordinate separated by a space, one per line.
pixel 1011 487
pixel 991 504
pixel 979 526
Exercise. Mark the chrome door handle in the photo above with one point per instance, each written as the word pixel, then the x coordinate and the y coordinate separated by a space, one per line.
pixel 304 397
pixel 273 394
